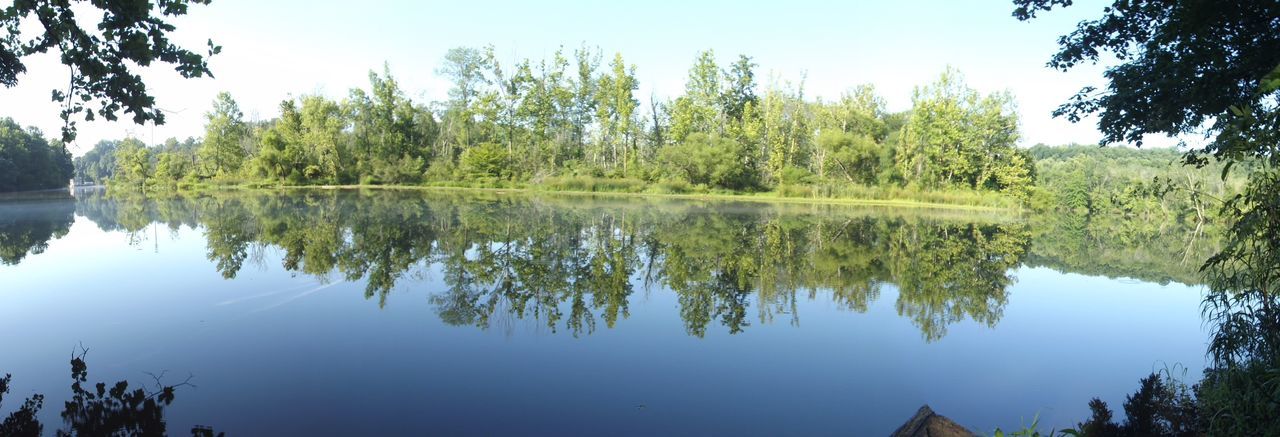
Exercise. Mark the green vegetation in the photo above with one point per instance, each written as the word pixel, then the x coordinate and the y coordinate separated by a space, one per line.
pixel 29 162
pixel 1125 212
pixel 1140 186
pixel 571 264
pixel 505 249
pixel 1162 406
pixel 563 123
pixel 1209 69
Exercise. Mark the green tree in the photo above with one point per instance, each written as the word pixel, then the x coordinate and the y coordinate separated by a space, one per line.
pixel 98 163
pixel 281 153
pixel 582 104
pixel 852 157
pixel 699 109
pixel 486 162
pixel 222 151
pixel 741 107
pixel 389 128
pixel 170 167
pixel 615 110
pixel 786 130
pixel 858 111
pixel 957 137
pixel 464 66
pixel 133 164
pixel 322 123
pixel 30 162
pixel 740 89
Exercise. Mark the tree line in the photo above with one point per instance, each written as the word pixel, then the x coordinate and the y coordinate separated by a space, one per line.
pixel 578 116
pixel 1129 187
pixel 29 162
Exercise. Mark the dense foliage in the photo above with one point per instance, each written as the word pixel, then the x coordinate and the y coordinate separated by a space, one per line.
pixel 1131 187
pixel 30 162
pixel 572 117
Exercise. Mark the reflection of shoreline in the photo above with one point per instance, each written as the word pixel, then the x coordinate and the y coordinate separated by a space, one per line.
pixel 51 194
pixel 28 224
pixel 1162 254
pixel 767 197
pixel 572 264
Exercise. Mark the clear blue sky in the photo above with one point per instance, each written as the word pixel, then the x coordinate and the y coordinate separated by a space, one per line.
pixel 276 48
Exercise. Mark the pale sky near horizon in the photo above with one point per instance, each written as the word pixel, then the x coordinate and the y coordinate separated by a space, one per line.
pixel 274 49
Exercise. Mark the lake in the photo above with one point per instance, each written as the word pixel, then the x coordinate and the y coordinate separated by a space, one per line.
pixel 454 312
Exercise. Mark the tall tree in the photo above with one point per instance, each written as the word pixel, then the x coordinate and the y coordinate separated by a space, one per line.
pixel 740 88
pixel 322 125
pixel 224 131
pixel 955 136
pixel 389 129
pixel 133 164
pixel 464 66
pixel 700 108
pixel 741 107
pixel 582 108
pixel 615 109
pixel 98 164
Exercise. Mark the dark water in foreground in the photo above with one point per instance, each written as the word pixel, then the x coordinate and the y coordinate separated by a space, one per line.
pixel 405 313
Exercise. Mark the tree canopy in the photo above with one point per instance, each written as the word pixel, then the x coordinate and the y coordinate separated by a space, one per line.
pixel 102 55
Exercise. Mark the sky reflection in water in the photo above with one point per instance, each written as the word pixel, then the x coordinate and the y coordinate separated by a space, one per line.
pixel 388 312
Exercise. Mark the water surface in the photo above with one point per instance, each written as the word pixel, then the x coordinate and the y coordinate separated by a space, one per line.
pixel 395 313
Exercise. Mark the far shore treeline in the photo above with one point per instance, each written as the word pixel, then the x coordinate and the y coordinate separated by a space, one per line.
pixel 30 162
pixel 574 123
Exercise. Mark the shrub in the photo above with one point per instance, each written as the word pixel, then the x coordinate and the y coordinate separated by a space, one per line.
pixel 1162 406
pixel 789 190
pixel 593 184
pixel 673 186
pixel 486 161
pixel 792 175
pixel 710 160
pixel 441 170
pixel 312 172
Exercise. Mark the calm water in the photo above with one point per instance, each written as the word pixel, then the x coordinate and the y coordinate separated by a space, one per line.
pixel 396 313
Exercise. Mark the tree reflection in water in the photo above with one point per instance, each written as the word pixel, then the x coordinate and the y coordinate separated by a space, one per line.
pixel 574 263
pixel 27 226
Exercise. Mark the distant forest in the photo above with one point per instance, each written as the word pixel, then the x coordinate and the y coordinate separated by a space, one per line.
pixel 29 162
